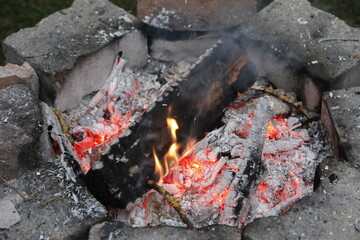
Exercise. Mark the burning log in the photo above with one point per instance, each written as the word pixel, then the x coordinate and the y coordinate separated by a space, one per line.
pixel 249 171
pixel 196 101
pixel 254 165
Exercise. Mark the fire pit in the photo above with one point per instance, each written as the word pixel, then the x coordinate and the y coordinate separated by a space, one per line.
pixel 215 151
pixel 219 133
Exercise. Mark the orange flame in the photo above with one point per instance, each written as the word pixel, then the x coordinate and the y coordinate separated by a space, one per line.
pixel 158 168
pixel 172 124
pixel 171 158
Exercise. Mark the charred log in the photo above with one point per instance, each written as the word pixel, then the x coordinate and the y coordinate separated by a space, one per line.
pixel 197 103
pixel 247 175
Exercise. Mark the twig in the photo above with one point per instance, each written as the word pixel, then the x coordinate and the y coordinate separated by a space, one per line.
pixel 338 39
pixel 205 19
pixel 286 99
pixel 52 184
pixel 22 195
pixel 50 200
pixel 173 202
pixel 64 126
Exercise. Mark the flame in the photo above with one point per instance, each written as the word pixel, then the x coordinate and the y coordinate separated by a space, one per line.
pixel 171 158
pixel 158 168
pixel 172 124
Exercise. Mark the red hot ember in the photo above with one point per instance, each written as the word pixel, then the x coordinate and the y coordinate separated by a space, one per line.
pixel 122 100
pixel 202 180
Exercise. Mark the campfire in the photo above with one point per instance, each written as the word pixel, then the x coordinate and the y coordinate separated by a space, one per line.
pixel 205 179
pixel 181 117
pixel 206 143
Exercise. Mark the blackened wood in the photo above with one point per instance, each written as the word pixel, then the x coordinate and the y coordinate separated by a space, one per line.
pixel 246 176
pixel 197 104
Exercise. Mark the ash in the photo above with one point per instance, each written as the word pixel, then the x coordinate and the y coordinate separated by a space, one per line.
pixel 206 181
pixel 99 120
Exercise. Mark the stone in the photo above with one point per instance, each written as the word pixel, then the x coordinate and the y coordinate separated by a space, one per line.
pixel 20 130
pixel 195 14
pixel 9 216
pixel 134 46
pixel 73 50
pixel 50 206
pixel 15 74
pixel 341 109
pixel 331 212
pixel 119 231
pixel 326 44
pixel 188 50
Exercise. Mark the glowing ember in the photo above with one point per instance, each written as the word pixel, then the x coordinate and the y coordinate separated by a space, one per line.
pixel 122 100
pixel 202 178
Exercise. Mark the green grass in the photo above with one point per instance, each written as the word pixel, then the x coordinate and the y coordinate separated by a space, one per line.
pixel 17 14
pixel 348 10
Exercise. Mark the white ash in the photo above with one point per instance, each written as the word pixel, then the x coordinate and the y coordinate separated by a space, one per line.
pixel 289 168
pixel 120 103
pixel 125 96
pixel 82 204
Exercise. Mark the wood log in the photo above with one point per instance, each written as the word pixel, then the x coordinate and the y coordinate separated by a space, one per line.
pixel 251 167
pixel 197 103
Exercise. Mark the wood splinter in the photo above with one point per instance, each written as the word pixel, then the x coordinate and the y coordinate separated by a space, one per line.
pixel 64 125
pixel 286 99
pixel 173 202
pixel 24 196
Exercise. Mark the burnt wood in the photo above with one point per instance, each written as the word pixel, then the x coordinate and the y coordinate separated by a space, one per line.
pixel 197 103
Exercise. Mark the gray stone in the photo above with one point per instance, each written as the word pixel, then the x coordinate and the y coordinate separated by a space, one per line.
pixel 134 46
pixel 294 26
pixel 73 50
pixel 25 73
pixel 187 50
pixel 118 231
pixel 331 212
pixel 50 206
pixel 20 132
pixel 343 109
pixel 9 216
pixel 195 14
